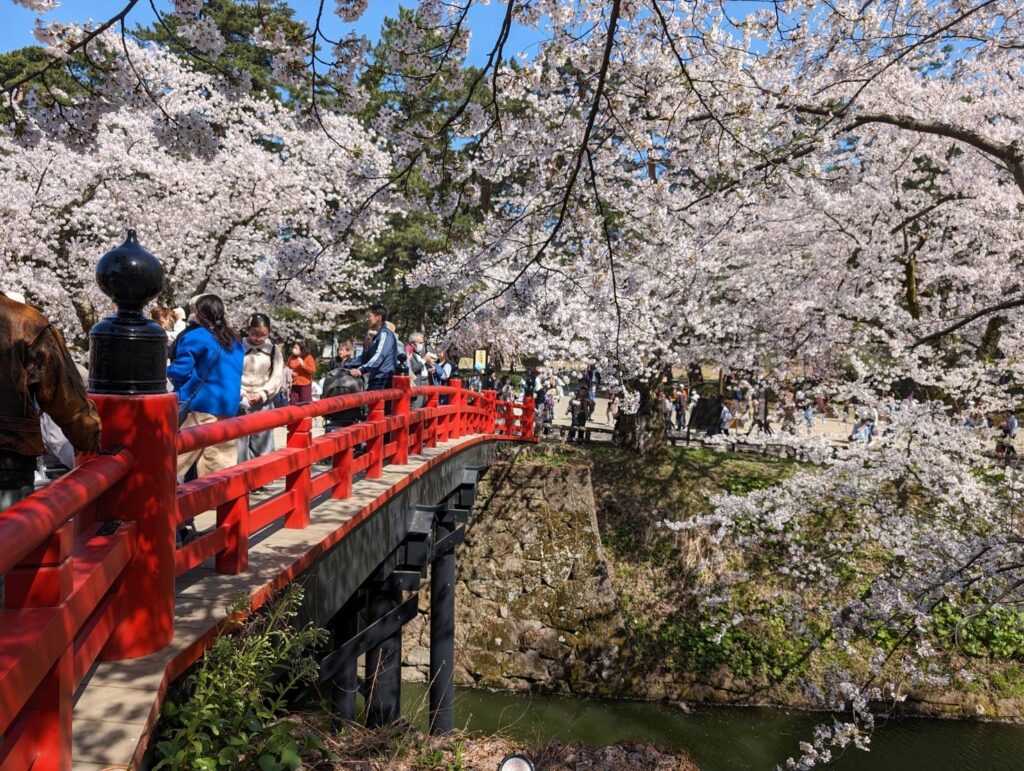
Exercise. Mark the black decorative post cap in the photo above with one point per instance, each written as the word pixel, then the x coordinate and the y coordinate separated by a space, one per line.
pixel 127 351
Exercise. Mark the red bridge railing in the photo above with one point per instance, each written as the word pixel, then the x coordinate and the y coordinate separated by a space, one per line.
pixel 90 560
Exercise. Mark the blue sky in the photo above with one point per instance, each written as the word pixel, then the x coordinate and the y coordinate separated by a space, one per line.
pixel 485 20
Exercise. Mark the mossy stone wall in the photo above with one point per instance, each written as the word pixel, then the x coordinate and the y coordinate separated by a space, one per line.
pixel 535 607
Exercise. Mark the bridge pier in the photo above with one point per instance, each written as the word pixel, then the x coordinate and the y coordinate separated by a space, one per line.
pixel 345 626
pixel 442 627
pixel 430 537
pixel 384 661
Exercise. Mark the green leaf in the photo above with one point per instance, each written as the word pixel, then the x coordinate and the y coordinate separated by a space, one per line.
pixel 290 758
pixel 269 763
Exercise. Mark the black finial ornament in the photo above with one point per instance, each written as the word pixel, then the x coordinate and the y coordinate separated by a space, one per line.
pixel 127 351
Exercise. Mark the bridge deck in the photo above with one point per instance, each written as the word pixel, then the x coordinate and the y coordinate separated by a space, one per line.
pixel 117 706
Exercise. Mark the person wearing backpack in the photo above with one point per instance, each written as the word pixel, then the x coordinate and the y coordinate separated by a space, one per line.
pixel 262 379
pixel 338 382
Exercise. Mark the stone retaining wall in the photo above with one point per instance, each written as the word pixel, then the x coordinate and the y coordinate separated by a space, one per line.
pixel 535 607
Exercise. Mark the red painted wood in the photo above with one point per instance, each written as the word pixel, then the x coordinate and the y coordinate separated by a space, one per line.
pixel 46 582
pixel 375 444
pixel 529 418
pixel 51 725
pixel 361 463
pixel 198 551
pixel 271 511
pixel 92 637
pixel 18 751
pixel 430 424
pixel 226 430
pixel 402 409
pixel 45 578
pixel 207 493
pixel 233 520
pixel 343 472
pixel 457 401
pixel 299 437
pixel 148 426
pixel 29 523
pixel 492 412
pixel 100 563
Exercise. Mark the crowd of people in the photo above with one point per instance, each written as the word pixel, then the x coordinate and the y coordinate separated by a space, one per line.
pixel 219 372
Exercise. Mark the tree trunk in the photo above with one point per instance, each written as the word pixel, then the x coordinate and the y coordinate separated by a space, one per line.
pixel 643 431
pixel 989 346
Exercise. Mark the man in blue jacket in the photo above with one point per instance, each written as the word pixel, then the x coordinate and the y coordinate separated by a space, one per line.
pixel 379 360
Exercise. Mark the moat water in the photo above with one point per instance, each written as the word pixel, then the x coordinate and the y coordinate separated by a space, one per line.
pixel 729 738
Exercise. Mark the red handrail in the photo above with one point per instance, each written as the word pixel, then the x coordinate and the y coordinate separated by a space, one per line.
pixel 27 524
pixel 233 428
pixel 75 595
pixel 61 576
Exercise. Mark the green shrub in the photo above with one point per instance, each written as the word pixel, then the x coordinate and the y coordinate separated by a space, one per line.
pixel 228 714
pixel 994 633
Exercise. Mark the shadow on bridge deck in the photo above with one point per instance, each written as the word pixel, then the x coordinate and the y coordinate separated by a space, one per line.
pixel 117 705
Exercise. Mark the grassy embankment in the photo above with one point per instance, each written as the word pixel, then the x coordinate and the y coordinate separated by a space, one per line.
pixel 676 651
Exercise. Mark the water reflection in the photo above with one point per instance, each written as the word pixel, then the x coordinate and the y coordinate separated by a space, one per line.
pixel 729 739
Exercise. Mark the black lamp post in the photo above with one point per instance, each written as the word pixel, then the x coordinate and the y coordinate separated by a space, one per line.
pixel 127 351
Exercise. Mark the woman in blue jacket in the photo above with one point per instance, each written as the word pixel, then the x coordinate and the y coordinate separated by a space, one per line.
pixel 206 373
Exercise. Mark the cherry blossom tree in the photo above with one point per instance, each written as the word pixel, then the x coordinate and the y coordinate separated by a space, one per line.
pixel 895 569
pixel 657 182
pixel 232 192
pixel 616 165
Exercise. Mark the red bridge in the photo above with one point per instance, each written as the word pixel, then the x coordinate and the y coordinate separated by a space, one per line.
pixel 103 611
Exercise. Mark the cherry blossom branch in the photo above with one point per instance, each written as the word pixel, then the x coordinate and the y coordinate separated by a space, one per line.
pixel 988 311
pixel 1011 154
pixel 9 88
pixel 595 104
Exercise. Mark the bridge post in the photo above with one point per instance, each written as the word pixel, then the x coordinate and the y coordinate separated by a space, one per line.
pixel 233 516
pixel 384 662
pixel 44 580
pixel 442 631
pixel 529 417
pixel 342 465
pixel 458 401
pixel 300 435
pixel 375 445
pixel 128 383
pixel 430 424
pixel 404 382
pixel 148 426
pixel 491 421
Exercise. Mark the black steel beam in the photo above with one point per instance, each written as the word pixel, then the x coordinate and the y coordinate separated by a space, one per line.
pixel 442 629
pixel 371 637
pixel 383 672
pixel 345 677
pixel 448 542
